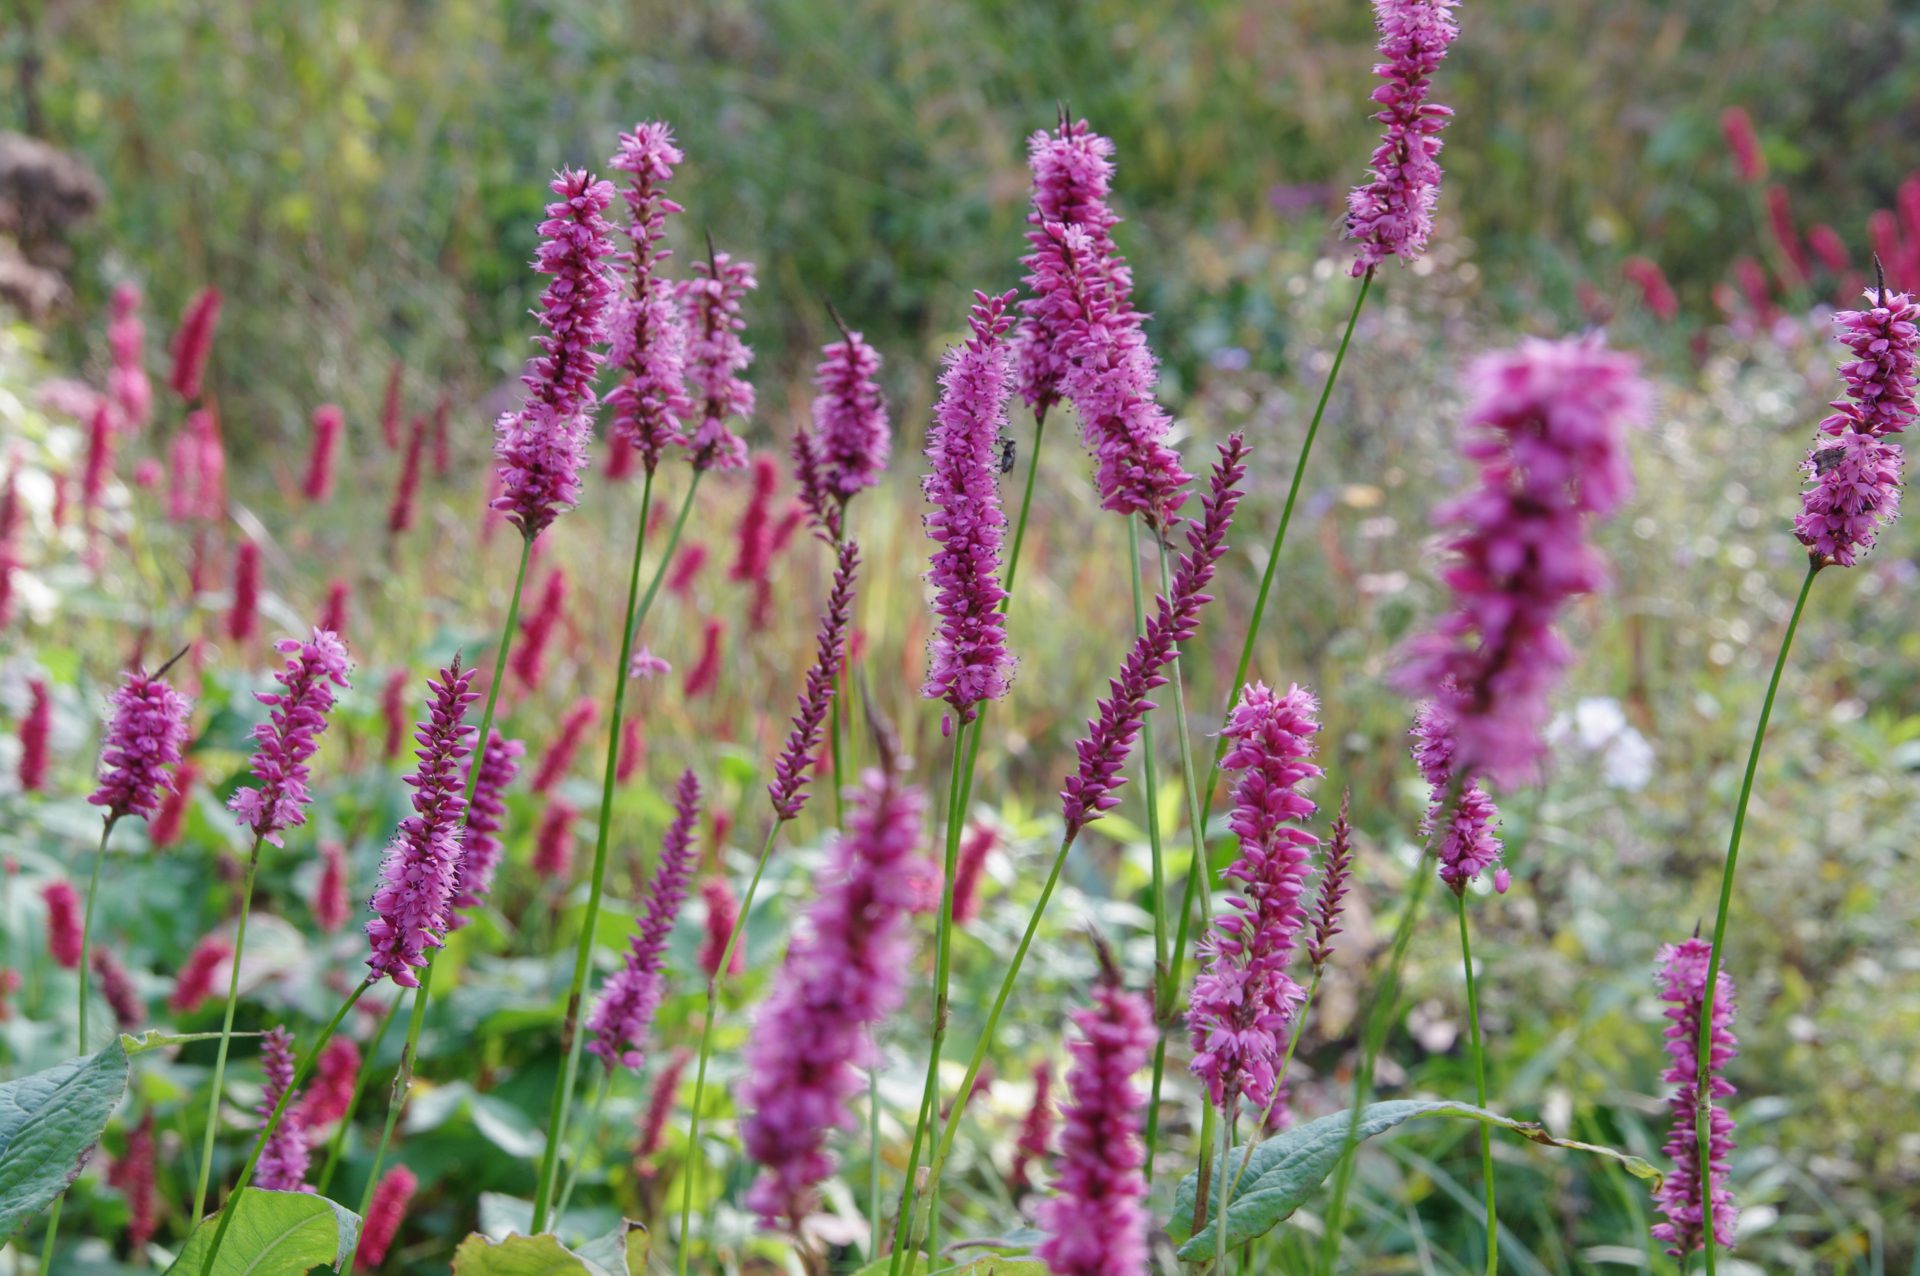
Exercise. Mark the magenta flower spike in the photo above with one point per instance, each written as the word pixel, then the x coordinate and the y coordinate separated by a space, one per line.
pixel 647 339
pixel 1392 215
pixel 579 719
pixel 542 446
pixel 499 764
pixel 844 974
pixel 1683 986
pixel 1469 844
pixel 192 342
pixel 1035 1142
pixel 34 730
pixel 624 1013
pixel 1096 1223
pixel 328 422
pixel 723 914
pixel 283 1161
pixel 193 984
pixel 968 658
pixel 716 356
pixel 117 990
pixel 243 618
pixel 285 743
pixel 144 739
pixel 1853 473
pixel 851 438
pixel 1547 428
pixel 1093 789
pixel 794 766
pixel 1072 175
pixel 127 382
pixel 1244 1000
pixel 1335 874
pixel 64 939
pixel 412 909
pixel 385 1214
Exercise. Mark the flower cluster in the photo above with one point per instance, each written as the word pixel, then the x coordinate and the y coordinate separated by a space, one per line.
pixel 646 340
pixel 192 342
pixel 127 382
pixel 1683 986
pixel 499 764
pixel 843 975
pixel 1547 429
pixel 386 1212
pixel 197 470
pixel 1072 174
pixel 621 1017
pixel 117 990
pixel 144 736
pixel 1854 473
pixel 851 437
pixel 716 356
pixel 288 739
pixel 328 422
pixel 791 769
pixel 413 906
pixel 283 1161
pixel 1392 215
pixel 331 1091
pixel 542 446
pixel 194 982
pixel 1244 1000
pixel 1096 1225
pixel 1334 875
pixel 64 939
pixel 579 719
pixel 1034 1144
pixel 1468 843
pixel 1092 790
pixel 34 730
pixel 968 657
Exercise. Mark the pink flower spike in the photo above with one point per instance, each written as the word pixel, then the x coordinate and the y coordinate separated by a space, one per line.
pixel 195 981
pixel 573 732
pixel 1392 215
pixel 144 738
pixel 647 338
pixel 1854 471
pixel 851 437
pixel 1683 986
pixel 63 923
pixel 286 742
pixel 716 356
pixel 646 665
pixel 387 1211
pixel 283 1161
pixel 192 343
pixel 328 422
pixel 792 768
pixel 499 765
pixel 34 729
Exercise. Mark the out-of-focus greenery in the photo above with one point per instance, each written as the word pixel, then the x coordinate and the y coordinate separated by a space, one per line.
pixel 363 180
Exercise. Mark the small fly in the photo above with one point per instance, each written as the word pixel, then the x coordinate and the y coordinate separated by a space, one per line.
pixel 1826 458
pixel 1009 451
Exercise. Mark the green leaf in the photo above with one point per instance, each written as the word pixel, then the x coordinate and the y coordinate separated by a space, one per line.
pixel 1288 1167
pixel 518 1255
pixel 622 1251
pixel 50 1123
pixel 273 1234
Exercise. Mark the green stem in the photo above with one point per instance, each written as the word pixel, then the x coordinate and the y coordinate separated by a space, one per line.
pixel 423 995
pixel 226 1033
pixel 1703 1100
pixel 1479 1082
pixel 942 969
pixel 86 925
pixel 1226 1159
pixel 273 1119
pixel 706 1043
pixel 586 1144
pixel 1150 781
pixel 596 886
pixel 337 1144
pixel 873 1161
pixel 1026 502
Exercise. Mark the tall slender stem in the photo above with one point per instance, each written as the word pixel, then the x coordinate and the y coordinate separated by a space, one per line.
pixel 586 1144
pixel 86 925
pixel 942 969
pixel 273 1118
pixel 1026 500
pixel 706 1043
pixel 1226 1159
pixel 1150 781
pixel 337 1144
pixel 596 887
pixel 1479 1082
pixel 226 1033
pixel 1703 1059
pixel 873 1160
pixel 422 995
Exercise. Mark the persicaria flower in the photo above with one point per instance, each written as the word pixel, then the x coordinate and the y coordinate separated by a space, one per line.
pixel 705 674
pixel 93 481
pixel 328 421
pixel 647 340
pixel 753 552
pixel 393 709
pixel 1096 1224
pixel 1683 986
pixel 653 1121
pixel 686 567
pixel 63 923
pixel 1392 215
pixel 1072 174
pixel 553 841
pixel 723 915
pixel 1093 789
pixel 391 404
pixel 1334 875
pixel 716 356
pixel 978 844
pixel 192 342
pixel 144 738
pixel 285 743
pixel 573 731
pixel 1036 1130
pixel 1646 275
pixel 388 1209
pixel 793 767
pixel 165 828
pixel 412 907
pixel 624 1013
pixel 542 445
pixel 333 615
pixel 1244 1000
pixel 194 983
pixel 244 616
pixel 197 470
pixel 117 990
pixel 843 975
pixel 283 1161
pixel 1547 428
pixel 330 892
pixel 850 440
pixel 1468 843
pixel 968 657
pixel 645 665
pixel 1829 247
pixel 536 631
pixel 127 381
pixel 1854 473
pixel 1785 233
pixel 499 764
pixel 1736 126
pixel 400 513
pixel 330 1093
pixel 34 729
pixel 132 1173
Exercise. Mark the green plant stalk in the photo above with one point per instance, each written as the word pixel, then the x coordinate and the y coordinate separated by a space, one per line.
pixel 273 1120
pixel 636 614
pixel 1150 781
pixel 1198 871
pixel 873 1162
pixel 422 995
pixel 226 1032
pixel 1703 1057
pixel 1479 1081
pixel 1226 1159
pixel 706 1041
pixel 586 1144
pixel 942 971
pixel 337 1144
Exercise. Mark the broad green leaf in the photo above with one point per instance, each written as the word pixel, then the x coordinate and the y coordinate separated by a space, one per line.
pixel 50 1123
pixel 518 1255
pixel 272 1234
pixel 622 1251
pixel 1288 1167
